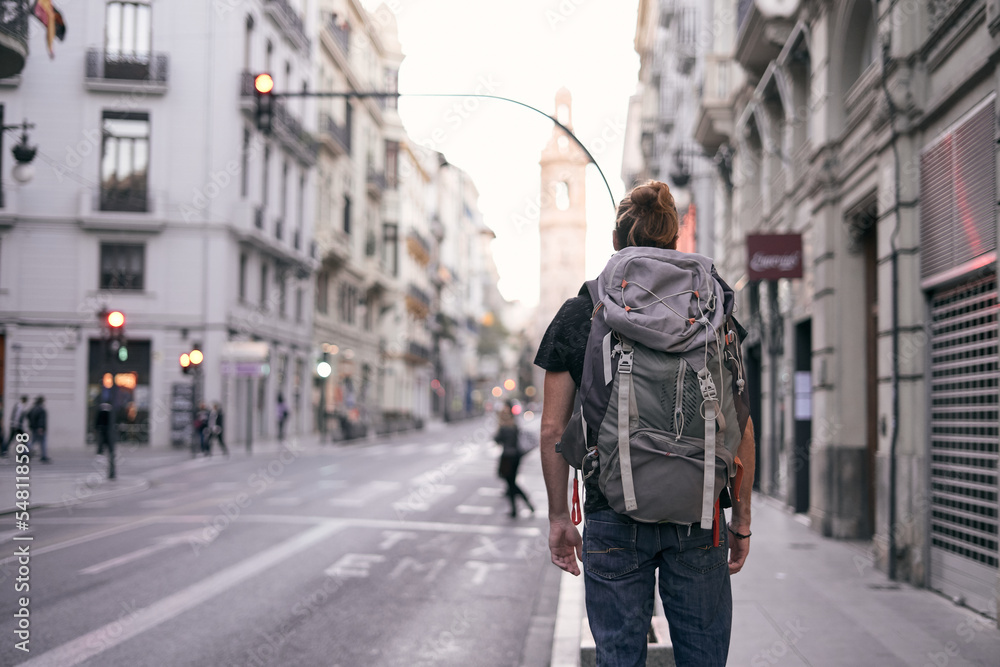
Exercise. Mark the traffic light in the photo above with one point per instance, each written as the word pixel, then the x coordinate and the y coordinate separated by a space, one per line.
pixel 113 326
pixel 263 85
pixel 191 361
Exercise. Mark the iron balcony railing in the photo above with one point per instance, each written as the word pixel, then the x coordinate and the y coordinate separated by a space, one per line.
pixel 376 178
pixel 14 15
pixel 340 134
pixel 290 19
pixel 419 295
pixel 419 351
pixel 129 200
pixel 149 67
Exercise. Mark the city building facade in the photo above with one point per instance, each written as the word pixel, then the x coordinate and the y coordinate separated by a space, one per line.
pixel 155 195
pixel 868 131
pixel 328 270
pixel 671 39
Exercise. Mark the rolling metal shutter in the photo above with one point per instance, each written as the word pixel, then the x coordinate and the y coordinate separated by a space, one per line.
pixel 964 430
pixel 958 221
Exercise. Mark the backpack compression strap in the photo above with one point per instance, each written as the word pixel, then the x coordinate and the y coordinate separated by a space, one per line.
pixel 627 412
pixel 710 395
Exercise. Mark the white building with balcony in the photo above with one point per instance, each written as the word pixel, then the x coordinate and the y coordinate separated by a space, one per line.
pixel 154 194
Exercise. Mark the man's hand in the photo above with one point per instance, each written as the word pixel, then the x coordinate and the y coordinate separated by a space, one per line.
pixel 738 550
pixel 565 545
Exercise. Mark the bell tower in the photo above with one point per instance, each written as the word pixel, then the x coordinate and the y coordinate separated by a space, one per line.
pixel 562 224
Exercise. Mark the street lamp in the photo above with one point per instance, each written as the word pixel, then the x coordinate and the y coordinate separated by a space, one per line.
pixel 23 152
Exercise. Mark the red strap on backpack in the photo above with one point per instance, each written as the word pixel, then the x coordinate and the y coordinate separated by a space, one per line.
pixel 715 524
pixel 575 514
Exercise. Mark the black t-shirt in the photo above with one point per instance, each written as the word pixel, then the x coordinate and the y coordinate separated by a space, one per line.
pixel 562 349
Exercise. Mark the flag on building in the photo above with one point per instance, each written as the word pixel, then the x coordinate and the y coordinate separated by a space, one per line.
pixel 53 21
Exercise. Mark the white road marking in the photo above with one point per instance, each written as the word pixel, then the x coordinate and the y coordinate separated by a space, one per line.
pixel 224 486
pixel 329 470
pixel 391 538
pixel 115 633
pixel 354 566
pixel 162 543
pixel 491 491
pixel 408 564
pixel 331 483
pixel 422 497
pixel 482 569
pixel 159 503
pixel 480 510
pixel 283 501
pixel 365 494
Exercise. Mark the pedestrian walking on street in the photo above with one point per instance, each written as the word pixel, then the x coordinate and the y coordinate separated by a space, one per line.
pixel 103 426
pixel 508 437
pixel 18 424
pixel 38 422
pixel 282 416
pixel 214 430
pixel 200 424
pixel 668 395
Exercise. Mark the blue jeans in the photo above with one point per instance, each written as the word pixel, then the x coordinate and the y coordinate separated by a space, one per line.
pixel 38 438
pixel 620 558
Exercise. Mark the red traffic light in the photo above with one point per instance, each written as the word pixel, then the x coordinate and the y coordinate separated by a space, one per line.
pixel 115 319
pixel 263 83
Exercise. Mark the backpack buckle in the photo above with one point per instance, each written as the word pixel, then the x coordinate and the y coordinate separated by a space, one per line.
pixel 708 390
pixel 625 362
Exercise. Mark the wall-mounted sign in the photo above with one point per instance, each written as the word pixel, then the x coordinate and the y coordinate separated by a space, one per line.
pixel 774 256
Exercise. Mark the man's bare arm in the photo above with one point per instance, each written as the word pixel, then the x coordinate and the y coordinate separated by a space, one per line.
pixel 564 540
pixel 739 548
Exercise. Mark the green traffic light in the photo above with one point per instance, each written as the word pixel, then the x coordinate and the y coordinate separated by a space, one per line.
pixel 123 353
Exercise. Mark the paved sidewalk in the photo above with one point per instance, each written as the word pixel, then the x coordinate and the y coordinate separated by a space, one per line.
pixel 803 599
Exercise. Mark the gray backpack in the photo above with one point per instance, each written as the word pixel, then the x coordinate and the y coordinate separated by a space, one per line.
pixel 662 374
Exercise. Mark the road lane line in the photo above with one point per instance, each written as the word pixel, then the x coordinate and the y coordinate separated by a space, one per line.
pixel 481 510
pixel 117 632
pixel 162 542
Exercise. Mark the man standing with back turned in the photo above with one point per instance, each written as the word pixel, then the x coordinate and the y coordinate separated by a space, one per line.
pixel 620 555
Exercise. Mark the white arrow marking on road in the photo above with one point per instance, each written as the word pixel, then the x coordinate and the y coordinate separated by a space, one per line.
pixel 483 569
pixel 487 548
pixel 481 510
pixel 164 542
pixel 391 538
pixel 407 563
pixel 113 634
pixel 356 566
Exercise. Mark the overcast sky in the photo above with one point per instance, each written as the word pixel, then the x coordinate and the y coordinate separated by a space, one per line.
pixel 525 50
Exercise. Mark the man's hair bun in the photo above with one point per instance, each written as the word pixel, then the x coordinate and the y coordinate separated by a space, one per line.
pixel 648 217
pixel 653 196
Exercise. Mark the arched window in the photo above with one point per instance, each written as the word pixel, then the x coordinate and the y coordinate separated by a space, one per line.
pixel 562 195
pixel 861 39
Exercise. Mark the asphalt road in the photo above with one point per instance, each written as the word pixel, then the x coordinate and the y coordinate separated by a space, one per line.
pixel 396 552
